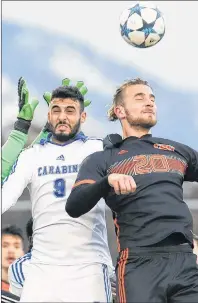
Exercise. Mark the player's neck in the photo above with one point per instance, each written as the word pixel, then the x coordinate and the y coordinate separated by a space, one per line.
pixel 134 131
pixel 54 140
pixel 4 274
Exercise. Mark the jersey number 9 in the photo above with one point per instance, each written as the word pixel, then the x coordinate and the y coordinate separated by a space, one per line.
pixel 59 188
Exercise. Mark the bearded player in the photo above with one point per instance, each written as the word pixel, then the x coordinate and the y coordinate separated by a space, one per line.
pixel 70 258
pixel 141 179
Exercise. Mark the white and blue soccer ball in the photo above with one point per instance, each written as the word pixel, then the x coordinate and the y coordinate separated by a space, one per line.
pixel 142 25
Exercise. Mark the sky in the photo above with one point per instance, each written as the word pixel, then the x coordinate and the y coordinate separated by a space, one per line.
pixel 47 41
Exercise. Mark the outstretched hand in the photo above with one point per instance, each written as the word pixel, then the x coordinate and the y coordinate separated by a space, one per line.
pixel 26 107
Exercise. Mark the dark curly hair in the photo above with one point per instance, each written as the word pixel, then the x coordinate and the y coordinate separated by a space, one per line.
pixel 70 92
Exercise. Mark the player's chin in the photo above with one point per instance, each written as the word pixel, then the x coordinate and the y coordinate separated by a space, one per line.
pixel 62 136
pixel 150 122
pixel 66 132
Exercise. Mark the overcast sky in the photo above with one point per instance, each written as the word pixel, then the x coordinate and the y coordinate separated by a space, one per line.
pixel 96 53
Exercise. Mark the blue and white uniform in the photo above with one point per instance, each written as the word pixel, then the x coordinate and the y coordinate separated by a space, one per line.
pixel 69 254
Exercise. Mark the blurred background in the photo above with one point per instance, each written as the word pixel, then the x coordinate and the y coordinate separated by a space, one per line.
pixel 47 41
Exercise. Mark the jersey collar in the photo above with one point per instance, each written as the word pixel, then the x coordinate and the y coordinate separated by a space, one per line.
pixel 116 140
pixel 133 138
pixel 79 136
pixel 136 138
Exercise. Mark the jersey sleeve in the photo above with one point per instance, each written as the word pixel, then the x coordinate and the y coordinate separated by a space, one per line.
pixel 19 178
pixel 91 185
pixel 13 147
pixel 15 287
pixel 92 169
pixel 192 169
pixel 11 150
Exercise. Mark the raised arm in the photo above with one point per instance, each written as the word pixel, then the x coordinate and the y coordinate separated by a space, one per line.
pixel 20 177
pixel 18 137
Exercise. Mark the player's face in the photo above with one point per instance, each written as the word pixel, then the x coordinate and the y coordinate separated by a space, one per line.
pixel 65 118
pixel 12 248
pixel 139 107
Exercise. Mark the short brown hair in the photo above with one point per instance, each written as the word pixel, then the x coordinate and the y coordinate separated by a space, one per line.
pixel 117 98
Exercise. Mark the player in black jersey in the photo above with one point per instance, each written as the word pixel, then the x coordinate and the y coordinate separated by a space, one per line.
pixel 140 178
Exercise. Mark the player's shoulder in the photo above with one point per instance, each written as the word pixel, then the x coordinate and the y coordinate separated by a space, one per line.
pixel 30 152
pixel 109 145
pixel 27 152
pixel 173 143
pixel 95 143
pixel 92 139
pixel 37 146
pixel 98 157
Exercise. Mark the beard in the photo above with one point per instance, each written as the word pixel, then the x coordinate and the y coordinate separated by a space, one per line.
pixel 140 122
pixel 62 137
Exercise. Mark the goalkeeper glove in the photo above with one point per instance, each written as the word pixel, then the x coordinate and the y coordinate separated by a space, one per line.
pixel 26 108
pixel 65 82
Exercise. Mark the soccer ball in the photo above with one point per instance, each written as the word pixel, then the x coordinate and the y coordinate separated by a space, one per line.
pixel 142 25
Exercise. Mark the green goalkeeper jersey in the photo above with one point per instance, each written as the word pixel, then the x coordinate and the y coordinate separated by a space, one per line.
pixel 12 149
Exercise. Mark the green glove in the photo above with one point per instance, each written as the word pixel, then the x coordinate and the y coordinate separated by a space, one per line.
pixel 26 109
pixel 65 82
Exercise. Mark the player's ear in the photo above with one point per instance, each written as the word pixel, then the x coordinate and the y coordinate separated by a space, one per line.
pixel 83 117
pixel 120 112
pixel 48 117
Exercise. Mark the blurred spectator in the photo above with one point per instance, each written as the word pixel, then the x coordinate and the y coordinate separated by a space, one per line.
pixel 12 243
pixel 18 269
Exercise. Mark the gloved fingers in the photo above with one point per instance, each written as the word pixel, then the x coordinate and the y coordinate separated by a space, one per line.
pixel 83 90
pixel 79 84
pixel 66 82
pixel 34 104
pixel 47 97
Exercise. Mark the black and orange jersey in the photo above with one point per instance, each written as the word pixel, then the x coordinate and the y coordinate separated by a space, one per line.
pixel 156 209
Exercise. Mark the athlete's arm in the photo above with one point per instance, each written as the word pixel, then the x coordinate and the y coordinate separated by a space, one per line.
pixel 90 186
pixel 18 137
pixel 11 150
pixel 93 183
pixel 19 178
pixel 192 169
